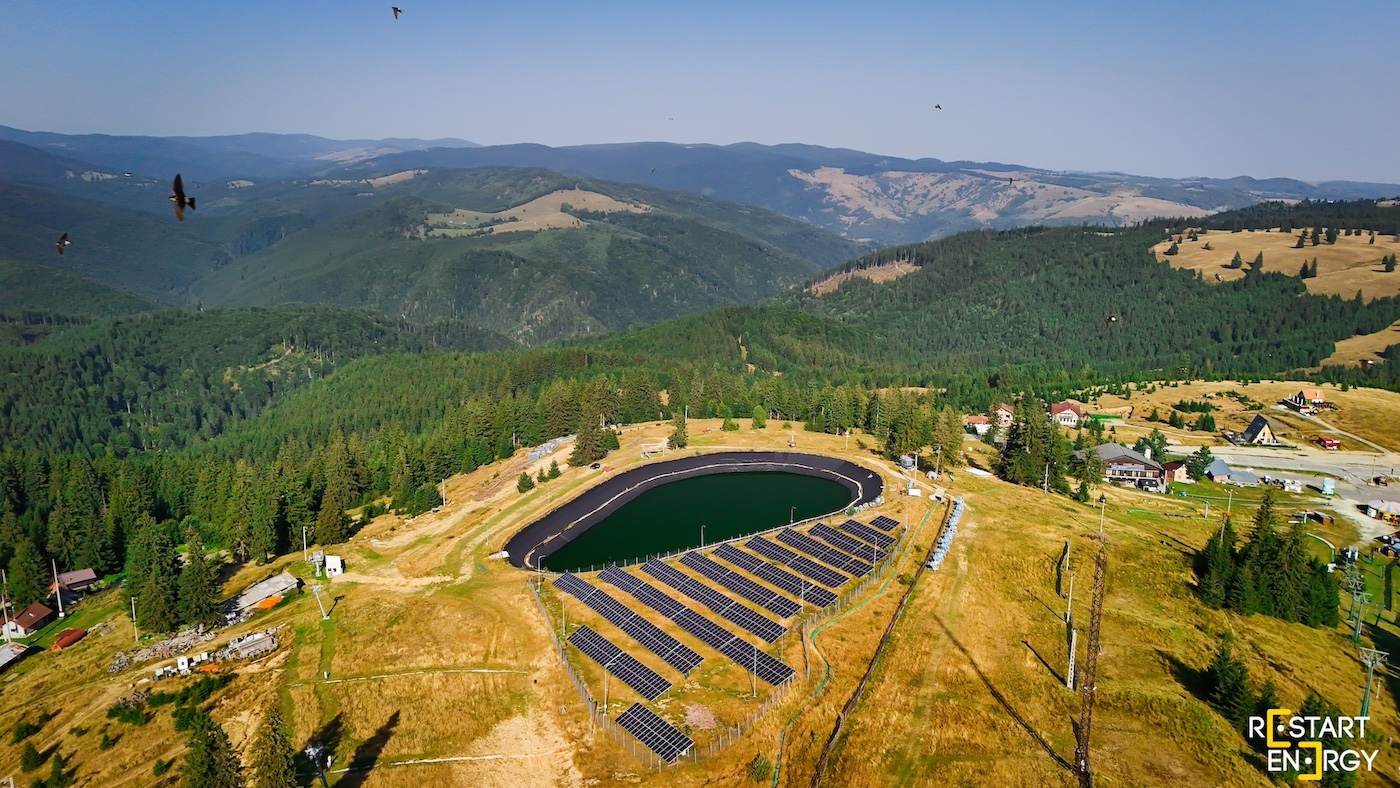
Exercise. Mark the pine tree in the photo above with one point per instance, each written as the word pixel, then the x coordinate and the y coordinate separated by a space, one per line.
pixel 553 469
pixel 541 477
pixel 210 761
pixel 1331 235
pixel 678 438
pixel 610 441
pixel 1236 261
pixel 1258 265
pixel 332 525
pixel 1300 242
pixel 1216 565
pixel 588 442
pixel 760 417
pixel 273 759
pixel 728 425
pixel 29 578
pixel 1198 462
pixel 157 603
pixel 524 484
pixel 198 588
pixel 1229 682
pixel 1173 249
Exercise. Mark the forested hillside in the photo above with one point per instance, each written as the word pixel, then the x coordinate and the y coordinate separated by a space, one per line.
pixel 161 380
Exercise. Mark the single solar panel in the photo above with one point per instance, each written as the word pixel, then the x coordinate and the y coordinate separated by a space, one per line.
pixel 727 607
pixel 868 534
pixel 828 555
pixel 822 574
pixel 672 651
pixel 805 590
pixel 884 523
pixel 759 594
pixel 647 682
pixel 771 670
pixel 658 735
pixel 850 544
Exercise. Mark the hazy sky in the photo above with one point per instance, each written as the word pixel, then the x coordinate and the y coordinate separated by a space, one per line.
pixel 1160 88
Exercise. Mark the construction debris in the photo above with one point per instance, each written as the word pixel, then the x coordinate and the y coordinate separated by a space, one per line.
pixel 179 643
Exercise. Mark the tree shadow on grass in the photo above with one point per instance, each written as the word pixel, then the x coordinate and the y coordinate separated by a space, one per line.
pixel 1195 680
pixel 367 754
pixel 1001 699
pixel 328 739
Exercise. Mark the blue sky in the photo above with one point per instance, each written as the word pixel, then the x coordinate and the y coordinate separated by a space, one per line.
pixel 1172 89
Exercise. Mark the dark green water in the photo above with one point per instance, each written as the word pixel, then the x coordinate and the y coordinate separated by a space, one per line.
pixel 669 517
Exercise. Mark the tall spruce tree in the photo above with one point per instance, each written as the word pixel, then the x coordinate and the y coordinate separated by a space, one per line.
pixel 1229 686
pixel 29 578
pixel 678 438
pixel 273 763
pixel 198 588
pixel 588 442
pixel 210 761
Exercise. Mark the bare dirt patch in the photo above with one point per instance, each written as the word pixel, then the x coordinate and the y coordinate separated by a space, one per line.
pixel 885 272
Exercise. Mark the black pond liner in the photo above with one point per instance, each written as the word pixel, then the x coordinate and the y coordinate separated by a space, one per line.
pixel 534 543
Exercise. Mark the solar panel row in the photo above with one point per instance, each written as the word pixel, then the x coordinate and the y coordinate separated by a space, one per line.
pixel 708 632
pixel 884 523
pixel 804 590
pixel 757 593
pixel 818 572
pixel 830 555
pixel 675 653
pixel 658 735
pixel 647 682
pixel 850 544
pixel 727 607
pixel 867 533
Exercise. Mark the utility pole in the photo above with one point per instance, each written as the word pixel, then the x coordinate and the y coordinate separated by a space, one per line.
pixel 1091 664
pixel 702 535
pixel 135 632
pixel 303 544
pixel 1372 659
pixel 1069 670
pixel 4 604
pixel 57 589
pixel 316 592
pixel 1045 485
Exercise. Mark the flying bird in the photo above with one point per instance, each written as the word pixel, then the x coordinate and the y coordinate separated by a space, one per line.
pixel 938 106
pixel 126 175
pixel 396 10
pixel 63 243
pixel 653 169
pixel 1010 180
pixel 178 198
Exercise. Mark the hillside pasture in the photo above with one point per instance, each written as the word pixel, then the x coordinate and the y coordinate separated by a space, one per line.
pixel 1343 268
pixel 546 212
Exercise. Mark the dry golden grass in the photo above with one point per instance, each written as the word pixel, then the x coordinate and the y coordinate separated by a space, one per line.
pixel 886 272
pixel 403 650
pixel 973 692
pixel 1364 347
pixel 1348 266
pixel 545 212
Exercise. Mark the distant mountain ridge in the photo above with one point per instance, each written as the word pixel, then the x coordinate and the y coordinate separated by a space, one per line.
pixel 888 199
pixel 255 155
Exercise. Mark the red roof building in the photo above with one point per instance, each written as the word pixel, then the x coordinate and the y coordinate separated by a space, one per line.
pixel 30 620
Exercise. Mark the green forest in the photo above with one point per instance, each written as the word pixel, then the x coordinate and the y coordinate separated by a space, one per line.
pixel 131 439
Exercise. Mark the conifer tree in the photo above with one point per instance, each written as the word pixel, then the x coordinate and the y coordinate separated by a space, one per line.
pixel 588 442
pixel 273 758
pixel 157 604
pixel 1216 565
pixel 210 761
pixel 1236 261
pixel 678 438
pixel 728 425
pixel 1229 682
pixel 198 588
pixel 29 578
pixel 553 469
pixel 524 484
pixel 1300 242
pixel 760 417
pixel 1198 462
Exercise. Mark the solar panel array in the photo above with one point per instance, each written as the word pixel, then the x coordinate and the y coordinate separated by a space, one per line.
pixel 830 555
pixel 867 533
pixel 802 589
pixel 647 682
pixel 884 523
pixel 725 606
pixel 850 544
pixel 658 735
pixel 757 593
pixel 672 651
pixel 708 632
pixel 818 572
